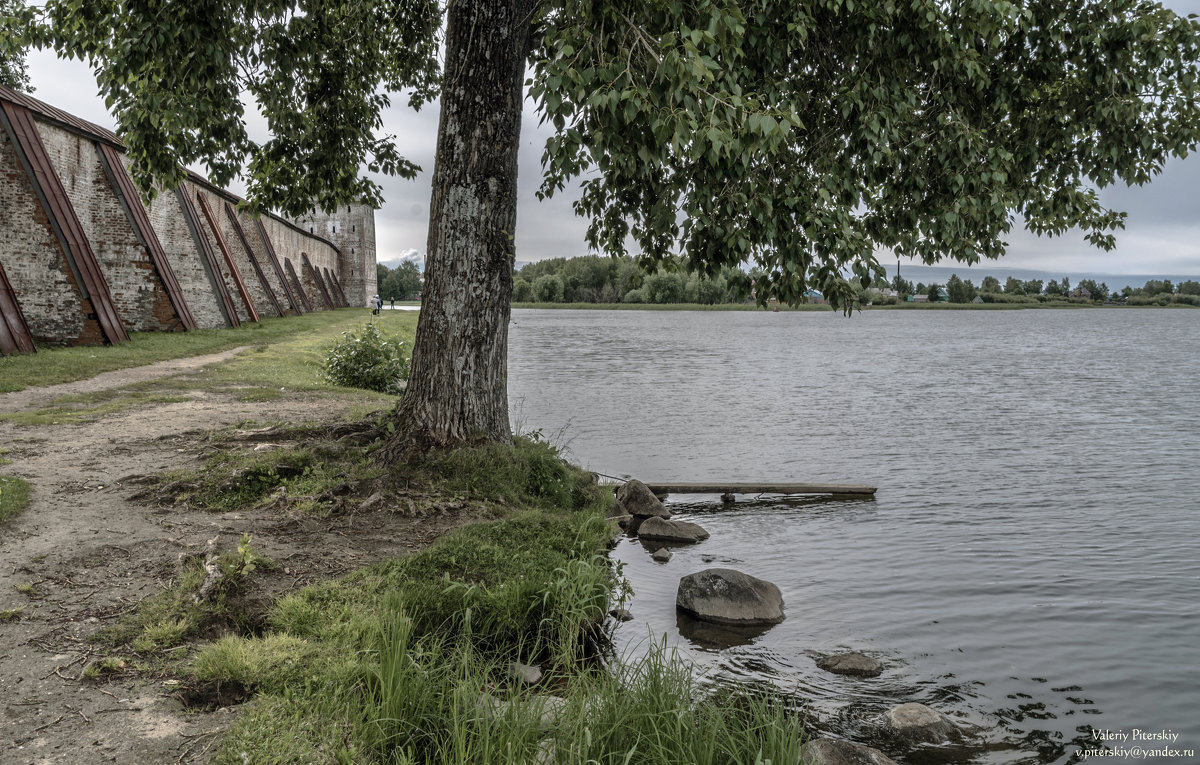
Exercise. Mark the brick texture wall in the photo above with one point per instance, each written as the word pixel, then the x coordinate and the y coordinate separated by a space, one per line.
pixel 254 285
pixel 48 291
pixel 33 259
pixel 290 240
pixel 169 223
pixel 137 291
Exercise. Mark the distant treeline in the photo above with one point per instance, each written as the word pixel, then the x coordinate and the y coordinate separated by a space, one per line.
pixel 990 290
pixel 598 279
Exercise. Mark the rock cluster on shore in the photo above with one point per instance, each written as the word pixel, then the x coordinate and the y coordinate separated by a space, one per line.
pixel 732 601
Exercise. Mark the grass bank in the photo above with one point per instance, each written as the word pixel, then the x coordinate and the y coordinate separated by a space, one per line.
pixel 407 660
pixel 50 365
pixel 284 361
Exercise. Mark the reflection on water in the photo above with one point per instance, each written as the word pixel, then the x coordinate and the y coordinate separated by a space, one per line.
pixel 1030 565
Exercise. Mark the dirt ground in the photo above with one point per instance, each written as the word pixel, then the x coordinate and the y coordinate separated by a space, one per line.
pixel 92 551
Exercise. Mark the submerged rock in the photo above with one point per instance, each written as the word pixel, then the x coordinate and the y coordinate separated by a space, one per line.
pixel 726 596
pixel 662 555
pixel 853 664
pixel 718 636
pixel 915 723
pixel 828 751
pixel 635 499
pixel 671 531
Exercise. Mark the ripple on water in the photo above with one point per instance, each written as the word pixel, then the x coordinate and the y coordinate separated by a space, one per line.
pixel 1030 563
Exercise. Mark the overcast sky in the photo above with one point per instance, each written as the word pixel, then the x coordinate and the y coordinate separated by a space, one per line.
pixel 1162 234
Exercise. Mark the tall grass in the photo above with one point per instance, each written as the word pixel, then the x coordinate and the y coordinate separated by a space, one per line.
pixel 428 701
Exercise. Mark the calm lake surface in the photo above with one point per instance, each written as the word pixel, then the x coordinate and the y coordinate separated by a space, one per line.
pixel 1031 562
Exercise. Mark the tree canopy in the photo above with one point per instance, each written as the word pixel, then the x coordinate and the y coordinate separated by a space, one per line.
pixel 13 71
pixel 802 138
pixel 400 283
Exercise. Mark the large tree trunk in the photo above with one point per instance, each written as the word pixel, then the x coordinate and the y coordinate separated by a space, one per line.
pixel 458 389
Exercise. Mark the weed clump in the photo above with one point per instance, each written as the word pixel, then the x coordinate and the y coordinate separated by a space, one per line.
pixel 14 496
pixel 369 360
pixel 110 665
pixel 196 602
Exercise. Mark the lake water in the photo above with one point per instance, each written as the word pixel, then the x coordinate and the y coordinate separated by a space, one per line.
pixel 1031 562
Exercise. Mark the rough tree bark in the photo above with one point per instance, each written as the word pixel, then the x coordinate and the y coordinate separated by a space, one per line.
pixel 458 388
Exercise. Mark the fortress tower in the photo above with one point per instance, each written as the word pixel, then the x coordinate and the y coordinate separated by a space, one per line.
pixel 352 231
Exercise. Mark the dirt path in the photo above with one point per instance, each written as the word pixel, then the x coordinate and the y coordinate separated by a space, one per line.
pixel 24 399
pixel 85 553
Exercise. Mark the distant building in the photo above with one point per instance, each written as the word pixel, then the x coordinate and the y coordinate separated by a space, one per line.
pixel 977 299
pixel 352 231
pixel 1081 292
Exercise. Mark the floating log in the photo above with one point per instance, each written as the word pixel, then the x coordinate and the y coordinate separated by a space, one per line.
pixel 841 490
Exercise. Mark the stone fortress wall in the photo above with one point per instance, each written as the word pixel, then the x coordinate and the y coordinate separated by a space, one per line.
pixel 83 261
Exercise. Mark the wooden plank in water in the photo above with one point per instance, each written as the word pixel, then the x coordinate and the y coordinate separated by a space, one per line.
pixel 760 488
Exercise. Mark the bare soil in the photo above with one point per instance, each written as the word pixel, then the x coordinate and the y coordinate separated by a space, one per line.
pixel 91 550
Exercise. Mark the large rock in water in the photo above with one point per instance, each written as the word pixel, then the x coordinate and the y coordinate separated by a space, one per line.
pixel 914 723
pixel 828 751
pixel 637 500
pixel 662 530
pixel 725 596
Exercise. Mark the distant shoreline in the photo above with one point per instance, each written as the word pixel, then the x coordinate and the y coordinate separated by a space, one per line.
pixel 824 307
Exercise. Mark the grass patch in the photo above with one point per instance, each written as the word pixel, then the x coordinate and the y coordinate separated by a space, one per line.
pixel 58 365
pixel 11 614
pixel 296 363
pixel 87 407
pixel 14 497
pixel 309 478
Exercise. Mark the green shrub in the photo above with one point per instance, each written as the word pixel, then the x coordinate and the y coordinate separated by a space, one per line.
pixel 548 288
pixel 369 360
